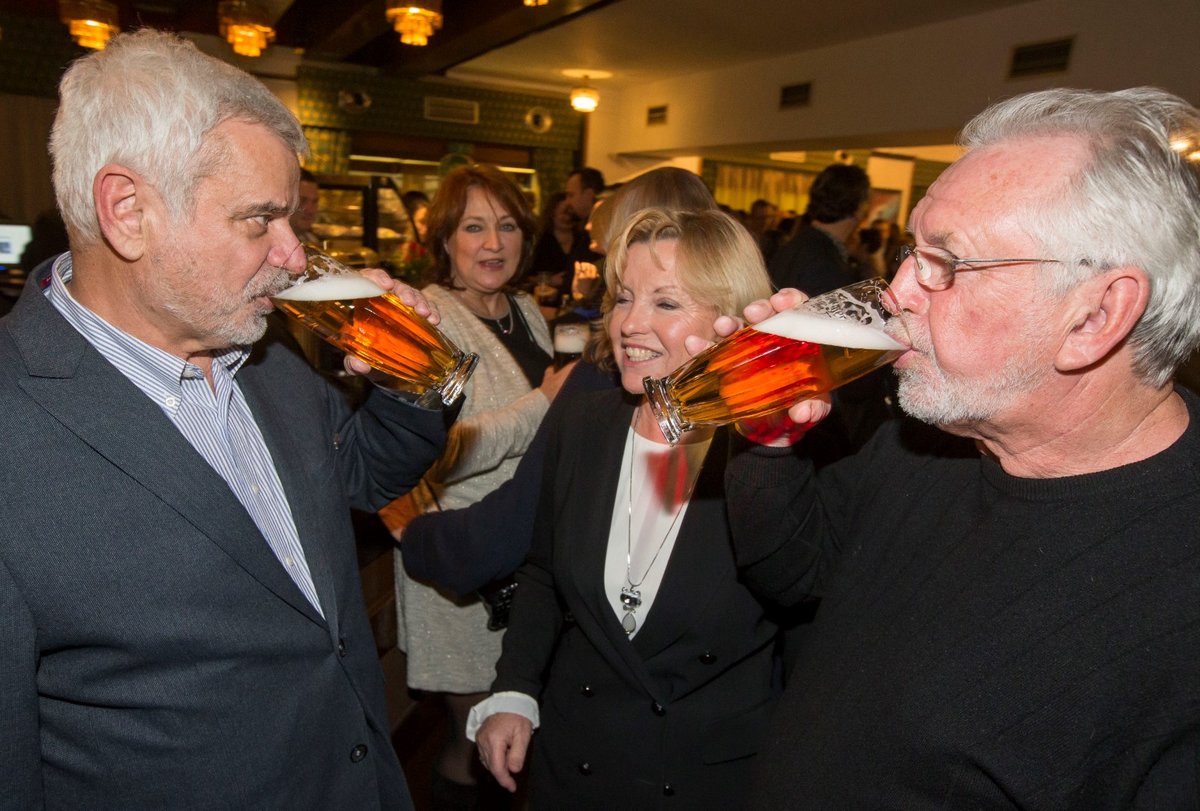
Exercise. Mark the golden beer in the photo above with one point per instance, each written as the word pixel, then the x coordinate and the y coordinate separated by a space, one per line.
pixel 766 368
pixel 358 317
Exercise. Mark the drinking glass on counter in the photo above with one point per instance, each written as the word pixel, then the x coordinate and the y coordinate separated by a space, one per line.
pixel 354 314
pixel 813 348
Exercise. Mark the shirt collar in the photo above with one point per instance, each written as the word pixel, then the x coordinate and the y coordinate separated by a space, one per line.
pixel 160 373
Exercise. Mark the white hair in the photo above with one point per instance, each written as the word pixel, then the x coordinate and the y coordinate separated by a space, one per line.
pixel 148 102
pixel 1134 202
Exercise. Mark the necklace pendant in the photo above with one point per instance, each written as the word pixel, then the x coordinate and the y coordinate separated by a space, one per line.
pixel 631 598
pixel 628 622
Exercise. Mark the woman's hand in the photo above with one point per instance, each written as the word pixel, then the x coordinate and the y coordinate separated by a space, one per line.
pixel 553 379
pixel 585 281
pixel 410 296
pixel 503 741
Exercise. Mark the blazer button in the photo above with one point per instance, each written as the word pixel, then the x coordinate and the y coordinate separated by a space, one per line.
pixel 585 769
pixel 707 658
pixel 358 753
pixel 658 709
pixel 668 790
pixel 341 647
pixel 586 690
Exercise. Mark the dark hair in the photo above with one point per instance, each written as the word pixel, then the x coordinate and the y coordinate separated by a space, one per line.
pixel 590 178
pixel 870 239
pixel 837 193
pixel 446 212
pixel 546 221
pixel 412 200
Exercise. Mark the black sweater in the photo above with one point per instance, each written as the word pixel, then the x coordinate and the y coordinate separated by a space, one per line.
pixel 983 641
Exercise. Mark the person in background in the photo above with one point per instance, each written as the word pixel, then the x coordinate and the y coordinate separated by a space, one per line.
pixel 481 237
pixel 1008 614
pixel 416 208
pixel 816 259
pixel 465 550
pixel 633 650
pixel 558 233
pixel 307 207
pixel 585 188
pixel 183 616
pixel 411 260
pixel 865 248
pixel 763 224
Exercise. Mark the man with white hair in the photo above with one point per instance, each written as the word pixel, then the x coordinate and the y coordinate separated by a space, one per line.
pixel 181 618
pixel 1008 613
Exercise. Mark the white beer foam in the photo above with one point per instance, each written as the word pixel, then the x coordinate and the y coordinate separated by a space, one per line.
pixel 819 329
pixel 569 342
pixel 328 288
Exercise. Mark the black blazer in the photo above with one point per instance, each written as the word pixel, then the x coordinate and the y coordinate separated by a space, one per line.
pixel 671 717
pixel 154 653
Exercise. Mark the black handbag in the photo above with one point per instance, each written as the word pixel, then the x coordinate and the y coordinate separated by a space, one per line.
pixel 497 598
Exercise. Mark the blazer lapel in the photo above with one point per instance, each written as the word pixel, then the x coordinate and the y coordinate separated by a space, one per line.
pixel 298 486
pixel 693 572
pixel 88 396
pixel 589 549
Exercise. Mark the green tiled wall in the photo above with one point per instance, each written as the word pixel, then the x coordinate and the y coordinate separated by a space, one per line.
pixel 397 107
pixel 35 51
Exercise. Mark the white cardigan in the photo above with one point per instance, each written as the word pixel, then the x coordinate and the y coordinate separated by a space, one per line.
pixel 448 645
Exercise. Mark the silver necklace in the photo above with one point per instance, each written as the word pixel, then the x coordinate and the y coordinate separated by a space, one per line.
pixel 631 596
pixel 500 323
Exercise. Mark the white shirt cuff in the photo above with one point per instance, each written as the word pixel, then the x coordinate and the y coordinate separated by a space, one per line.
pixel 508 701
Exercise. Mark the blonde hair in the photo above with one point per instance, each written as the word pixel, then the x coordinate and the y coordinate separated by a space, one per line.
pixel 716 259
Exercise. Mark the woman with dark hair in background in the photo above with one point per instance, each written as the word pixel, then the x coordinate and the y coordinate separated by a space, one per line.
pixel 480 238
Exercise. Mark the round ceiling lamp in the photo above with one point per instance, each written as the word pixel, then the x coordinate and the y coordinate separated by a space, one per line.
pixel 415 20
pixel 91 22
pixel 245 27
pixel 584 98
pixel 536 2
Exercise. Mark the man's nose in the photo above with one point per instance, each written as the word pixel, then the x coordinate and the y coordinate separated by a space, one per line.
pixel 291 250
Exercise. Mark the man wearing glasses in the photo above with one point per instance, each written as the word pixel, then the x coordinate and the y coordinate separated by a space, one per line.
pixel 1009 613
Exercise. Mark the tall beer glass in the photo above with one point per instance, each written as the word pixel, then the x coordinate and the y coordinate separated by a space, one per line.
pixel 354 314
pixel 819 345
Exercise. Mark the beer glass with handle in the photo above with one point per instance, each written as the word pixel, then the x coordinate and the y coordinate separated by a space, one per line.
pixel 810 349
pixel 354 314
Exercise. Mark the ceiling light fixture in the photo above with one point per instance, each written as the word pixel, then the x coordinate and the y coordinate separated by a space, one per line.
pixel 244 26
pixel 91 22
pixel 536 2
pixel 415 20
pixel 584 99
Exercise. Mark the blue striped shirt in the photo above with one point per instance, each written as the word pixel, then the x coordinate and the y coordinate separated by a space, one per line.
pixel 217 423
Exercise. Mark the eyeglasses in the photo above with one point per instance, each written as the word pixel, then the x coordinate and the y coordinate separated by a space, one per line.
pixel 936 266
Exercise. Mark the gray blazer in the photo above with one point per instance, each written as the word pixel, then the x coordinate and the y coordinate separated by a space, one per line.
pixel 153 651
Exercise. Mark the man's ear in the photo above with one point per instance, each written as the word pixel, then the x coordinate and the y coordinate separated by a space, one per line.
pixel 119 196
pixel 1105 309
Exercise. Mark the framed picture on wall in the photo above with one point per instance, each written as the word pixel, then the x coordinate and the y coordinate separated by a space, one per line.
pixel 883 204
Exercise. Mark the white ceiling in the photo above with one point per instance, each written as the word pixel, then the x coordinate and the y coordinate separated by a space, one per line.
pixel 646 40
pixel 641 41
